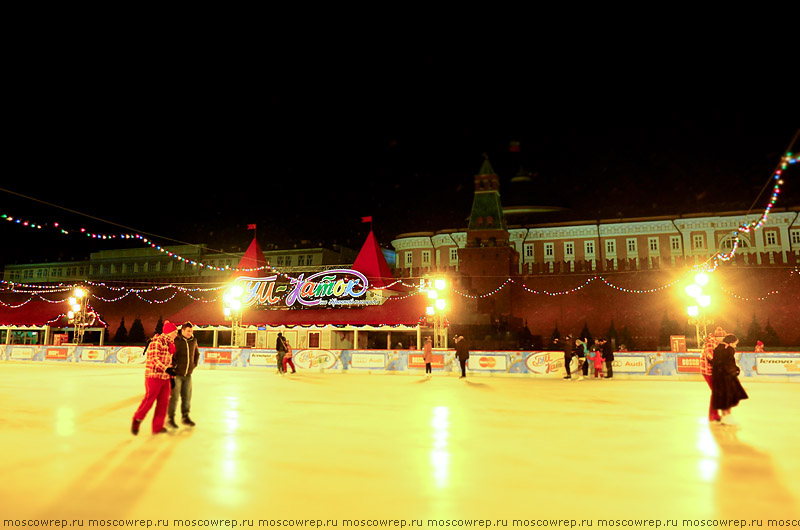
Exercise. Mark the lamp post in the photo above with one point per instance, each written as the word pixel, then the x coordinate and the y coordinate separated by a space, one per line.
pixel 437 310
pixel 77 313
pixel 697 311
pixel 232 309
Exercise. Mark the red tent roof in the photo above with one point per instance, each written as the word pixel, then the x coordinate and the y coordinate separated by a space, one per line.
pixel 253 258
pixel 372 264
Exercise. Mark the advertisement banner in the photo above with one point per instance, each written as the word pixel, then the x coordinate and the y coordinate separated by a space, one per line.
pixel 543 363
pixel 217 356
pixel 57 354
pixel 93 355
pixel 368 360
pixel 263 358
pixel 778 366
pixel 484 361
pixel 415 360
pixel 21 353
pixel 631 363
pixel 688 364
pixel 131 355
pixel 308 359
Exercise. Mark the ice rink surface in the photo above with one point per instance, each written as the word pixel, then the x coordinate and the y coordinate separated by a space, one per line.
pixel 360 446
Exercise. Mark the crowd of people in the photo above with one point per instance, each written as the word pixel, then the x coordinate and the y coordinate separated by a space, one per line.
pixel 595 356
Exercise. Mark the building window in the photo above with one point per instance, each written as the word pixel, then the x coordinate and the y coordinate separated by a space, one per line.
pixel 301 260
pixel 698 242
pixel 309 259
pixel 675 243
pixel 313 339
pixel 772 238
pixel 548 250
pixel 280 261
pixel 569 249
pixel 652 242
pixel 453 255
pixel 632 245
pixel 588 248
pixel 528 252
pixel 409 259
pixel 288 261
pixel 611 247
pixel 426 258
pixel 795 237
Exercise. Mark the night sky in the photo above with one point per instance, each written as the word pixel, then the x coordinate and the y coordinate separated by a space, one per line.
pixel 305 148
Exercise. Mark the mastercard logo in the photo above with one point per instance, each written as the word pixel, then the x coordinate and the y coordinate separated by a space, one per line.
pixel 487 362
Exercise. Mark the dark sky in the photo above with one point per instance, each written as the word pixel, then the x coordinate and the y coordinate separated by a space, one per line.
pixel 196 150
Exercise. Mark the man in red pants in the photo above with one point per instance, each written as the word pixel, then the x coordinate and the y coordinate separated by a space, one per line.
pixel 706 358
pixel 157 376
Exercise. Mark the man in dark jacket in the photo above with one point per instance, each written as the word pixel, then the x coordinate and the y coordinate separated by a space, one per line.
pixel 566 345
pixel 280 345
pixel 462 352
pixel 184 361
pixel 608 356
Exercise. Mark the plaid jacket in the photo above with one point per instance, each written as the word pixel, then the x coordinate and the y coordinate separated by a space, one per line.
pixel 707 356
pixel 159 358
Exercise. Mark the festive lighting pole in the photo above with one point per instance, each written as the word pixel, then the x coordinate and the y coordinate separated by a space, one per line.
pixel 77 313
pixel 437 311
pixel 232 309
pixel 697 311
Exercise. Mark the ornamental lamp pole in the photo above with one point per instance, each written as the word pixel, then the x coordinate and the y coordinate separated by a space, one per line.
pixel 232 309
pixel 78 303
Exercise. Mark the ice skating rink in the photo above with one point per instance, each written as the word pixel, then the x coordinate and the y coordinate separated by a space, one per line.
pixel 356 446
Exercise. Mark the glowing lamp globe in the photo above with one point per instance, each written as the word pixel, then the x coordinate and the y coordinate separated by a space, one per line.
pixel 80 293
pixel 704 300
pixel 694 290
pixel 441 303
pixel 693 310
pixel 429 310
pixel 237 291
pixel 433 294
pixel 440 284
pixel 701 279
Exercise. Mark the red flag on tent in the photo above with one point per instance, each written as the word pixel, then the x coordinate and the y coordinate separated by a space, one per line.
pixel 251 227
pixel 366 219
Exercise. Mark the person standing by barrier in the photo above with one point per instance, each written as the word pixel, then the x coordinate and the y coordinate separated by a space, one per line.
pixel 462 352
pixel 706 369
pixel 608 356
pixel 158 374
pixel 595 357
pixel 287 357
pixel 727 391
pixel 581 347
pixel 427 356
pixel 184 361
pixel 280 345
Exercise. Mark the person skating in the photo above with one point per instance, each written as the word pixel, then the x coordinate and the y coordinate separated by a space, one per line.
pixel 427 356
pixel 581 347
pixel 608 356
pixel 280 346
pixel 566 345
pixel 706 359
pixel 158 374
pixel 287 357
pixel 184 361
pixel 727 391
pixel 462 352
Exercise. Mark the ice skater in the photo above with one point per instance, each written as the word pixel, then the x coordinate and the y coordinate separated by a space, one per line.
pixel 566 345
pixel 280 345
pixel 581 347
pixel 726 391
pixel 427 356
pixel 158 374
pixel 608 356
pixel 462 352
pixel 596 358
pixel 287 357
pixel 706 358
pixel 184 361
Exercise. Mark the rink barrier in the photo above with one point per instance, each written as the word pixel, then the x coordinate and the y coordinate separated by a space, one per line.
pixel 527 363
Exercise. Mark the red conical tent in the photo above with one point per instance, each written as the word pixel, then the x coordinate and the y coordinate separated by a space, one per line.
pixel 371 263
pixel 253 258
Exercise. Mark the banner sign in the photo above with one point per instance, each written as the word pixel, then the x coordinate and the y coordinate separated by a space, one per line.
pixel 487 362
pixel 217 357
pixel 331 288
pixel 415 360
pixel 56 354
pixel 93 354
pixel 308 359
pixel 778 365
pixel 368 360
pixel 688 364
pixel 631 363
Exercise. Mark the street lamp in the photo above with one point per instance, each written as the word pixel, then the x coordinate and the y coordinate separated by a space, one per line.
pixel 77 313
pixel 437 311
pixel 697 310
pixel 232 309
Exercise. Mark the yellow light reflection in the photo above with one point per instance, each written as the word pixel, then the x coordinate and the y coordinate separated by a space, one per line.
pixel 708 465
pixel 65 421
pixel 440 454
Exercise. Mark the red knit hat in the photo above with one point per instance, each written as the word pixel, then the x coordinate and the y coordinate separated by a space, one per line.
pixel 169 327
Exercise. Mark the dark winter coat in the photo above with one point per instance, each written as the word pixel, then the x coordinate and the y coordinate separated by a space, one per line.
pixel 726 390
pixel 607 351
pixel 186 356
pixel 462 350
pixel 280 345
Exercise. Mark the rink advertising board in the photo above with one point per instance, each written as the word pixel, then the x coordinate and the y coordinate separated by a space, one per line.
pixel 484 361
pixel 368 360
pixel 415 360
pixel 633 363
pixel 309 359
pixel 217 357
pixel 545 362
pixel 21 353
pixel 93 355
pixel 687 364
pixel 777 366
pixel 56 354
pixel 263 358
pixel 131 355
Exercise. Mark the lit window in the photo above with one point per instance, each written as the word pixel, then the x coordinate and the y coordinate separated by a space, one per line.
pixel 454 255
pixel 611 247
pixel 588 248
pixel 548 250
pixel 409 259
pixel 697 239
pixel 795 237
pixel 569 249
pixel 426 257
pixel 529 251
pixel 631 245
pixel 772 238
pixel 653 244
pixel 675 242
